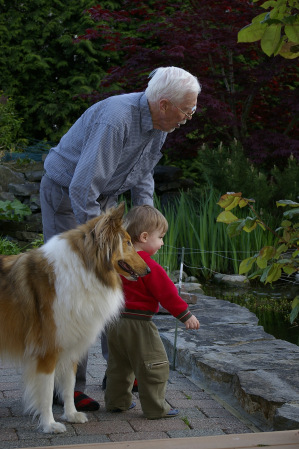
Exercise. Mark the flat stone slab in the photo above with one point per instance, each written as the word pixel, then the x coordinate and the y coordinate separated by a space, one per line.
pixel 231 354
pixel 286 417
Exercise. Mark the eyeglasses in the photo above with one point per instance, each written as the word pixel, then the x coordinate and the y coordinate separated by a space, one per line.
pixel 187 114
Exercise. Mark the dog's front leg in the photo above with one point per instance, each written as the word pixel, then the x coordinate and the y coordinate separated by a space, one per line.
pixel 66 380
pixel 38 395
pixel 46 421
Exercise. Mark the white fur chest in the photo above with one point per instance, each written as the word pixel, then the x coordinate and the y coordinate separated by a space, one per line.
pixel 83 304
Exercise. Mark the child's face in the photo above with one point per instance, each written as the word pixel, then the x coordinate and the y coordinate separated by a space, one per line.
pixel 153 242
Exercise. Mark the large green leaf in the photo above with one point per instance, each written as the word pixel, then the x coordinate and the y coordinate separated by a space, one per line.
pixel 226 217
pixel 269 3
pixel 270 39
pixel 228 198
pixel 267 252
pixel 255 274
pixel 246 265
pixel 234 228
pixel 289 270
pixel 292 31
pixel 265 273
pixel 274 273
pixel 252 32
pixel 295 302
pixel 291 213
pixel 261 262
pixel 286 203
pixel 14 210
pixel 294 313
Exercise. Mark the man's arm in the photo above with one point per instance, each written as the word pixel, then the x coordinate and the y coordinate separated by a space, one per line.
pixel 144 191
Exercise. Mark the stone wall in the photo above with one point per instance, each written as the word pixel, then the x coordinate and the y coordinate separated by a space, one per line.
pixel 22 181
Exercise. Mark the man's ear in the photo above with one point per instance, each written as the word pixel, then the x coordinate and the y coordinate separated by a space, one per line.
pixel 143 237
pixel 163 105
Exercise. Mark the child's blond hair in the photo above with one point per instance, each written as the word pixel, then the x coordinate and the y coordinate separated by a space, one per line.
pixel 144 219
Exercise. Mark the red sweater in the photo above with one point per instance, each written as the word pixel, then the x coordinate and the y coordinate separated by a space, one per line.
pixel 147 292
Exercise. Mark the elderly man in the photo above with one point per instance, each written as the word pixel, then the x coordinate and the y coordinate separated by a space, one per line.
pixel 113 147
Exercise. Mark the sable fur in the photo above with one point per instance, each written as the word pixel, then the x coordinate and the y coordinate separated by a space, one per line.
pixel 55 300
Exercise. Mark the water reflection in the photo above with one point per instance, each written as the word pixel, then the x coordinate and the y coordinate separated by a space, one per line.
pixel 272 307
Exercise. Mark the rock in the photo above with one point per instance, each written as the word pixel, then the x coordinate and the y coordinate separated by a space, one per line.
pixel 34 175
pixel 287 417
pixel 174 185
pixel 192 279
pixel 34 203
pixel 235 357
pixel 163 173
pixel 34 218
pixel 188 298
pixel 187 183
pixel 26 189
pixel 4 196
pixel 26 236
pixel 11 227
pixel 191 287
pixel 8 176
pixel 217 277
pixel 175 275
pixel 235 280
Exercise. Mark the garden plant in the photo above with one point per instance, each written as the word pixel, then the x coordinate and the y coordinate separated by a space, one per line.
pixel 271 260
pixel 245 94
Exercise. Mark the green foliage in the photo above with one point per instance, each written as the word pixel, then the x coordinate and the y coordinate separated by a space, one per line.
pixel 42 69
pixel 208 248
pixel 257 303
pixel 271 260
pixel 39 241
pixel 13 210
pixel 192 168
pixel 8 248
pixel 278 29
pixel 9 123
pixel 228 169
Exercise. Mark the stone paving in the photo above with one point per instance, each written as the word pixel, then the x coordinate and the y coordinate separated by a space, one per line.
pixel 200 415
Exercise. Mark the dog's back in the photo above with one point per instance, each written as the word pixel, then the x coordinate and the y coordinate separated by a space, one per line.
pixel 26 299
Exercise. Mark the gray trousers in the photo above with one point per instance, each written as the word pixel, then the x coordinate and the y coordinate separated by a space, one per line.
pixel 58 217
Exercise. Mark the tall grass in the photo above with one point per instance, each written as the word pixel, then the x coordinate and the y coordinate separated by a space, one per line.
pixel 208 248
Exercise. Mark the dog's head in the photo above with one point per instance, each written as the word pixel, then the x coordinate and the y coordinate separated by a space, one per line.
pixel 109 248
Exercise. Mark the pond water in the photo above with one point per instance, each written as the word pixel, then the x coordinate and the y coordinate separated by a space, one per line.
pixel 271 306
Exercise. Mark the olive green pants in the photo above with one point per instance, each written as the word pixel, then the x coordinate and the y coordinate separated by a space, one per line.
pixel 135 349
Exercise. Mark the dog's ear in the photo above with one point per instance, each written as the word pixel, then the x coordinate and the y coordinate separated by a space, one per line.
pixel 118 213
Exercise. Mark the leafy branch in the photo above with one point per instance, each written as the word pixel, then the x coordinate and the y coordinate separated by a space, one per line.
pixel 271 261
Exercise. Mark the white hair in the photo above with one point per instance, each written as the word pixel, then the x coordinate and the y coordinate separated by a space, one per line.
pixel 172 83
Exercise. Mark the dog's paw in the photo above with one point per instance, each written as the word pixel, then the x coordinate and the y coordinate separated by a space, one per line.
pixel 77 417
pixel 53 427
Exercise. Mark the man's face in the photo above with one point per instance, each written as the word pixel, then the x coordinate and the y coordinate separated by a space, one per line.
pixel 173 115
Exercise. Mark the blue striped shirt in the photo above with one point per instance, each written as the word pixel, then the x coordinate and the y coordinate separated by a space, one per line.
pixel 111 148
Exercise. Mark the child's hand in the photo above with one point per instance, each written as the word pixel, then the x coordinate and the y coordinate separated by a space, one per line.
pixel 192 323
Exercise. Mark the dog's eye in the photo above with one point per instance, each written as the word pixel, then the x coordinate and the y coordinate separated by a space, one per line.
pixel 129 243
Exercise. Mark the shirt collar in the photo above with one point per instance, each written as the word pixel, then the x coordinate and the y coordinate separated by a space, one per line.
pixel 146 118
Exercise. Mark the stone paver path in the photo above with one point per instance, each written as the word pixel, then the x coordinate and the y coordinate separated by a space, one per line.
pixel 200 415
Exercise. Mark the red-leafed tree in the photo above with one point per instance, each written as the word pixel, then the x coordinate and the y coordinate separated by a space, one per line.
pixel 245 94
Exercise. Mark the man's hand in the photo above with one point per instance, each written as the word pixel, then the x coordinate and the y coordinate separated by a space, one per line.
pixel 192 323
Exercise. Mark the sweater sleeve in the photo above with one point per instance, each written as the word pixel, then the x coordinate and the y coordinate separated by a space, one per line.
pixel 165 292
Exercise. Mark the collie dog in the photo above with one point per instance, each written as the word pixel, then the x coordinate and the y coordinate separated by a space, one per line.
pixel 55 300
